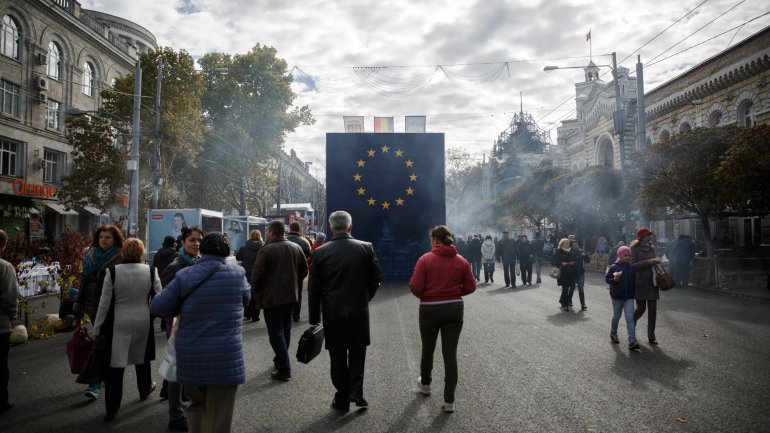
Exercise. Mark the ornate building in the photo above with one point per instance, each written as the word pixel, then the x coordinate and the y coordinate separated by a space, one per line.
pixel 54 58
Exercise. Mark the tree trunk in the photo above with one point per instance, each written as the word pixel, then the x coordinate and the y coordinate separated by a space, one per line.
pixel 707 234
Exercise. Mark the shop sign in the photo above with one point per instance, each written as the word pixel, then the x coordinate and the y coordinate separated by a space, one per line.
pixel 31 189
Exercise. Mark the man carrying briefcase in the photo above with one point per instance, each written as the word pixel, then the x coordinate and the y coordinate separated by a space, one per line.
pixel 345 277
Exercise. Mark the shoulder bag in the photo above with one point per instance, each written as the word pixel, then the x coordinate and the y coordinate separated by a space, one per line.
pixel 663 279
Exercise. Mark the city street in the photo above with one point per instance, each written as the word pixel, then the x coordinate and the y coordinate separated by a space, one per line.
pixel 525 366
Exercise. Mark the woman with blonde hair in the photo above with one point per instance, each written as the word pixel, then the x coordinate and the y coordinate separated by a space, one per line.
pixel 124 320
pixel 440 279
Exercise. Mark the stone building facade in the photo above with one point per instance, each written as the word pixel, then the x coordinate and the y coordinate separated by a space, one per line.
pixel 55 58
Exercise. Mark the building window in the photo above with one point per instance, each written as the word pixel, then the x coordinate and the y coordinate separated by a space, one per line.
pixel 9 98
pixel 746 114
pixel 715 119
pixel 664 136
pixel 88 79
pixel 53 164
pixel 9 158
pixel 685 127
pixel 10 38
pixel 52 115
pixel 54 61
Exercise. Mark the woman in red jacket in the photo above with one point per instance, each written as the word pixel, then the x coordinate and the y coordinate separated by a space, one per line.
pixel 440 279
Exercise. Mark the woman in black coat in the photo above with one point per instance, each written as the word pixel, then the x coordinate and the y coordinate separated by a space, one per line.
pixel 565 261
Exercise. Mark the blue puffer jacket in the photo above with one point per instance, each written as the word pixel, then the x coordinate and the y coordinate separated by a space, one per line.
pixel 624 289
pixel 209 341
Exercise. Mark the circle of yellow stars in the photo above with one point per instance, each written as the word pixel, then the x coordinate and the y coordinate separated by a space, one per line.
pixel 361 190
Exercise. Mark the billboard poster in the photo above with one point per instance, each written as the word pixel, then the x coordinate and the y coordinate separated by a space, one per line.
pixel 168 222
pixel 236 233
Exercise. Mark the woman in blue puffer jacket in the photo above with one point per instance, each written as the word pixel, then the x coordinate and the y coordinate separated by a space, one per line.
pixel 209 299
pixel 620 277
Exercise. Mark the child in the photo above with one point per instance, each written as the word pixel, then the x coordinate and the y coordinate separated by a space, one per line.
pixel 620 277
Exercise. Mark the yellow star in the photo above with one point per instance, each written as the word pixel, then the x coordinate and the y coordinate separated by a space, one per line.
pixel 399 201
pixel 361 191
pixel 385 149
pixel 409 163
pixel 410 191
pixel 357 177
pixel 370 152
pixel 371 201
pixel 385 205
pixel 413 177
pixel 361 163
pixel 399 152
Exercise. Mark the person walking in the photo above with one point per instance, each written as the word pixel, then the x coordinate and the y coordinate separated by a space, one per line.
pixel 295 235
pixel 9 307
pixel 165 255
pixel 488 255
pixel 580 259
pixel 188 255
pixel 622 286
pixel 346 275
pixel 461 247
pixel 440 279
pixel 613 257
pixel 526 255
pixel 247 255
pixel 474 255
pixel 538 244
pixel 129 286
pixel 209 299
pixel 104 253
pixel 276 282
pixel 565 261
pixel 643 260
pixel 506 253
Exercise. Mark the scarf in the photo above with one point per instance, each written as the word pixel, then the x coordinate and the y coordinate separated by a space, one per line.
pixel 94 262
pixel 189 260
pixel 566 250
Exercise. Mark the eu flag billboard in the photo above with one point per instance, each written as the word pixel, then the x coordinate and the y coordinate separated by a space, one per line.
pixel 393 186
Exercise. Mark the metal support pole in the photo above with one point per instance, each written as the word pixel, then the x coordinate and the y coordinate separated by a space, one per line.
pixel 156 153
pixel 641 116
pixel 133 161
pixel 620 121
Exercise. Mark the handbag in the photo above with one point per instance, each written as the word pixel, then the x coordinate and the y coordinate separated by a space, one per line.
pixel 555 273
pixel 79 349
pixel 663 279
pixel 310 343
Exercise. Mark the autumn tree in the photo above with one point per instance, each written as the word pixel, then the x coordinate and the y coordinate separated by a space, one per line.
pixel 744 172
pixel 534 199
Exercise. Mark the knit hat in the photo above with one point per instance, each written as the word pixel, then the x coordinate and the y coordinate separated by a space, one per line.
pixel 642 232
pixel 169 241
pixel 624 251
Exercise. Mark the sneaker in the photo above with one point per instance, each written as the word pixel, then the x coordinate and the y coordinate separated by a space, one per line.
pixel 92 392
pixel 276 375
pixel 360 402
pixel 423 388
pixel 634 346
pixel 448 407
pixel 614 339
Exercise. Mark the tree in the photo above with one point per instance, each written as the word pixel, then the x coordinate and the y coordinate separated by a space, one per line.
pixel 678 175
pixel 99 155
pixel 248 113
pixel 744 172
pixel 534 199
pixel 591 200
pixel 463 190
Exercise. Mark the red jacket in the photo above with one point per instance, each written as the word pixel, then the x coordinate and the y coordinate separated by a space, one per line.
pixel 442 275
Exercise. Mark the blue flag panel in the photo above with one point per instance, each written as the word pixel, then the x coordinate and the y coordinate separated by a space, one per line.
pixel 393 186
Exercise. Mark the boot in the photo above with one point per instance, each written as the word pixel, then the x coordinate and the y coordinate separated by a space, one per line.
pixel 582 301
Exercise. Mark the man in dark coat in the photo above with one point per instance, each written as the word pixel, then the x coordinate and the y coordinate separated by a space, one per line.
pixel 295 235
pixel 247 255
pixel 346 275
pixel 537 248
pixel 526 257
pixel 165 255
pixel 474 255
pixel 462 247
pixel 680 255
pixel 506 253
pixel 276 280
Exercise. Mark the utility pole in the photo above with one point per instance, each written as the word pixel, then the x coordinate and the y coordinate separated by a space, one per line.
pixel 156 153
pixel 133 161
pixel 641 116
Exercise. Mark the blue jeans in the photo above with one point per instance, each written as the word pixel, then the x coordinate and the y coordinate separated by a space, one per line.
pixel 476 268
pixel 278 322
pixel 627 308
pixel 580 282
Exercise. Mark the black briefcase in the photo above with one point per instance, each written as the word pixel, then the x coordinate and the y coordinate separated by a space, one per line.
pixel 310 344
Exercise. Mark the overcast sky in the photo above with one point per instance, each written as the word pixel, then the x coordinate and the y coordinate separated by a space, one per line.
pixel 326 39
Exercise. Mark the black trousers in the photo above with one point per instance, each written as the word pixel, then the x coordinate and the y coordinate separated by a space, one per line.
pixel 509 273
pixel 641 306
pixel 347 370
pixel 5 347
pixel 114 385
pixel 526 272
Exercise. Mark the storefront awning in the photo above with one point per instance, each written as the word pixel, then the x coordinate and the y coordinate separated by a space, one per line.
pixel 60 209
pixel 92 210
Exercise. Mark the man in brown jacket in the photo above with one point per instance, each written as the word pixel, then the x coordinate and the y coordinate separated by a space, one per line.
pixel 276 280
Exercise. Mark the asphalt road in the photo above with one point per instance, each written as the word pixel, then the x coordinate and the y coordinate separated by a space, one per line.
pixel 525 366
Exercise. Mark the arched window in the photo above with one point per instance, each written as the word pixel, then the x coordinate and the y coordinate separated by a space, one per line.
pixel 715 119
pixel 664 136
pixel 54 61
pixel 9 38
pixel 746 114
pixel 606 156
pixel 88 79
pixel 685 127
